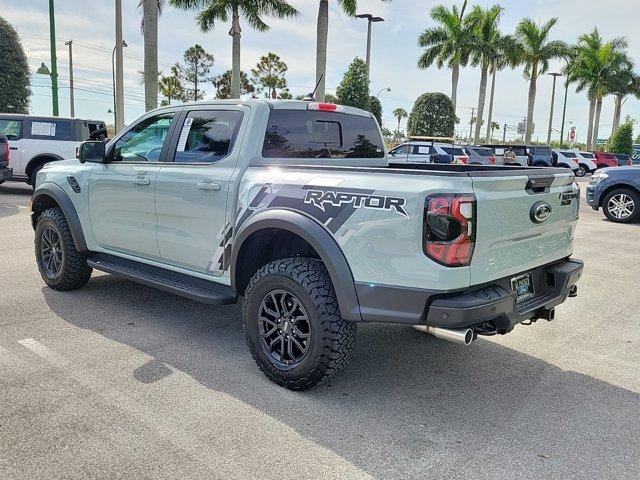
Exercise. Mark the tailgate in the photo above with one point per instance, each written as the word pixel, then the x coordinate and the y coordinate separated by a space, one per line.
pixel 510 238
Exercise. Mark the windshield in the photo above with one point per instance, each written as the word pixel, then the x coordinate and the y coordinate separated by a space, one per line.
pixel 569 154
pixel 587 155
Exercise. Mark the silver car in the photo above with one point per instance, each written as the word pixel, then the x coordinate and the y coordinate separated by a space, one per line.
pixel 419 152
pixel 482 156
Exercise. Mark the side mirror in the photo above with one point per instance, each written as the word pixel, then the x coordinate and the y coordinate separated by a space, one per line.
pixel 92 151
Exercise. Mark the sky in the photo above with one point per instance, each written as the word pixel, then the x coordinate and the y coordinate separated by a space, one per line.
pixel 91 26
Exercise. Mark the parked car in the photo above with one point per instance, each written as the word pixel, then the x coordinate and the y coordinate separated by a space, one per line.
pixel 456 151
pixel 419 152
pixel 603 159
pixel 35 141
pixel 567 159
pixel 617 192
pixel 5 154
pixel 482 156
pixel 586 162
pixel 522 156
pixel 623 159
pixel 540 156
pixel 315 236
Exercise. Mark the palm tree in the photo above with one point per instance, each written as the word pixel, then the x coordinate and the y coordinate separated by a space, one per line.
pixel 212 11
pixel 449 43
pixel 625 83
pixel 535 50
pixel 594 68
pixel 487 45
pixel 151 10
pixel 322 32
pixel 399 113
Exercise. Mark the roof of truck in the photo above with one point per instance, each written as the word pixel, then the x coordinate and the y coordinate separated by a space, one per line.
pixel 276 105
pixel 22 116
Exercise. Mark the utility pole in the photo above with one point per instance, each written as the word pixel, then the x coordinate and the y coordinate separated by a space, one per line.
pixel 119 100
pixel 54 62
pixel 504 133
pixel 473 109
pixel 553 96
pixel 370 19
pixel 564 110
pixel 71 101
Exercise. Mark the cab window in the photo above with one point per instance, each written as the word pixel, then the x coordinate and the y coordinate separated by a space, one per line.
pixel 401 150
pixel 143 142
pixel 207 136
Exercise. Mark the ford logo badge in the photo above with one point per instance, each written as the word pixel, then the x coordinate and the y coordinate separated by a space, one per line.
pixel 540 212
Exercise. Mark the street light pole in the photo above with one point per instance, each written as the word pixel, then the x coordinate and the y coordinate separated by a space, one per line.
pixel 119 82
pixel 387 89
pixel 553 96
pixel 54 63
pixel 564 110
pixel 370 19
pixel 71 101
pixel 113 77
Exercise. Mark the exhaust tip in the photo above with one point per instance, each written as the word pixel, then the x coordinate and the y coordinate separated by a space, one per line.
pixel 462 336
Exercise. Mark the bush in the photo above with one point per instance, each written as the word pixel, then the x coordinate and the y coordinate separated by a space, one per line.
pixel 432 115
pixel 353 91
pixel 622 141
pixel 14 72
pixel 375 107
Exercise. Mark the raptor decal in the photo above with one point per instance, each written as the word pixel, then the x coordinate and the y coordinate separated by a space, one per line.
pixel 322 198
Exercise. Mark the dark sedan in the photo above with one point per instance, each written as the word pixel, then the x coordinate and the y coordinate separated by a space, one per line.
pixel 617 191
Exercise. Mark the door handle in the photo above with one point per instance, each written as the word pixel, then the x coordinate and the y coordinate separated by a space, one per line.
pixel 209 186
pixel 13 148
pixel 142 181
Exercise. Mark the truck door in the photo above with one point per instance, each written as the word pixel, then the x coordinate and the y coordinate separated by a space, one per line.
pixel 121 192
pixel 12 129
pixel 193 186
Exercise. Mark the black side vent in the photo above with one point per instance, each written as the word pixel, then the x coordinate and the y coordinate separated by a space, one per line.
pixel 74 184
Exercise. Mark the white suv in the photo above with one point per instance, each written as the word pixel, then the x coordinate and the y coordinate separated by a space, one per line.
pixel 35 141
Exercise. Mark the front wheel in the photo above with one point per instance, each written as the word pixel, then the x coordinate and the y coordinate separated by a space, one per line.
pixel 621 205
pixel 61 266
pixel 293 326
pixel 582 171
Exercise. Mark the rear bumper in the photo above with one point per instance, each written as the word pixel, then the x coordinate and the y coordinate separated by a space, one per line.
pixel 5 174
pixel 494 302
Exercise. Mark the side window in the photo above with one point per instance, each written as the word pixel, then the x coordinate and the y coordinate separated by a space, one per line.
pixel 12 129
pixel 207 136
pixel 143 142
pixel 50 130
pixel 401 150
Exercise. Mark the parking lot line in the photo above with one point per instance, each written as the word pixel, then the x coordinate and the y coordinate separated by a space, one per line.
pixel 44 352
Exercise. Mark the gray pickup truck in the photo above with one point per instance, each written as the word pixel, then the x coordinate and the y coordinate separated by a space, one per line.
pixel 292 206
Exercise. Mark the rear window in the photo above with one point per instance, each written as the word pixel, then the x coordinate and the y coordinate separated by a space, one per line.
pixel 311 134
pixel 587 155
pixel 622 156
pixel 569 154
pixel 453 150
pixel 50 130
pixel 542 151
pixel 519 151
pixel 483 152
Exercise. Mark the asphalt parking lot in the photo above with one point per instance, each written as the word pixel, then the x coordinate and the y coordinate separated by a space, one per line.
pixel 118 380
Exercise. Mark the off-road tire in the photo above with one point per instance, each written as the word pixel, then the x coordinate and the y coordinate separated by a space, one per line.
pixel 629 193
pixel 331 338
pixel 74 272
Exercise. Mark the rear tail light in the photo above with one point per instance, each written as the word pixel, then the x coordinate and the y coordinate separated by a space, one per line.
pixel 449 229
pixel 492 160
pixel 325 107
pixel 464 160
pixel 629 162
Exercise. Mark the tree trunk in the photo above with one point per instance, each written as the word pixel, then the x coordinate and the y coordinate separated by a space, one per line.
pixel 321 48
pixel 531 104
pixel 592 107
pixel 398 131
pixel 481 99
pixel 596 122
pixel 490 115
pixel 617 112
pixel 455 75
pixel 236 33
pixel 150 32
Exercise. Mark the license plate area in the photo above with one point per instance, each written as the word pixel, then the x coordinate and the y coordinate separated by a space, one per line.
pixel 523 286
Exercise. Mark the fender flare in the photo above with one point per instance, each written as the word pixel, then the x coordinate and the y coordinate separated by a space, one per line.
pixel 319 238
pixel 40 156
pixel 66 205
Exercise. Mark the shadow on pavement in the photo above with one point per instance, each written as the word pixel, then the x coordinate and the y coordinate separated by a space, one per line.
pixel 408 405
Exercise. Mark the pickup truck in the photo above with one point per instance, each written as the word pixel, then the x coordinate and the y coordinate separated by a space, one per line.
pixel 292 206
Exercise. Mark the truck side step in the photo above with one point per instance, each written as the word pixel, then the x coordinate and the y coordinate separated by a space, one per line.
pixel 196 289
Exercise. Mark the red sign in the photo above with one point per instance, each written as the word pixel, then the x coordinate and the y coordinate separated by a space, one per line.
pixel 572 134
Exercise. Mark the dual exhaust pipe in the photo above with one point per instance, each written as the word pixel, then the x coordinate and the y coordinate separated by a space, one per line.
pixel 463 336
